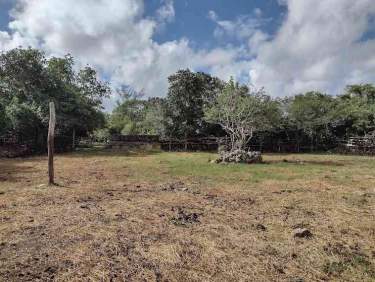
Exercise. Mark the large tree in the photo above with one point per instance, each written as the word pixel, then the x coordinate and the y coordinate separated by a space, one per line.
pixel 28 81
pixel 241 113
pixel 310 115
pixel 188 94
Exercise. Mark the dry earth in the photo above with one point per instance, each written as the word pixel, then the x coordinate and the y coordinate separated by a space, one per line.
pixel 176 217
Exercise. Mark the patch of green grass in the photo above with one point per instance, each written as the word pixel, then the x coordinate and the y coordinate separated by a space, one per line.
pixel 158 166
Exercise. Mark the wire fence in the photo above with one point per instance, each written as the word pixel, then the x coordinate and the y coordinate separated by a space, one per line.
pixel 10 145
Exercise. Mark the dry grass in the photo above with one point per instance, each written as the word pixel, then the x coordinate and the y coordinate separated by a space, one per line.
pixel 175 217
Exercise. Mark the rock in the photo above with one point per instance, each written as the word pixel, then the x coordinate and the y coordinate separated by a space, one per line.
pixel 240 156
pixel 302 233
pixel 261 227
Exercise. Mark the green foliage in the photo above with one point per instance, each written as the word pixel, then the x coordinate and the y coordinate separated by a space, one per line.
pixel 241 113
pixel 137 116
pixel 101 135
pixel 196 104
pixel 189 93
pixel 355 114
pixel 311 111
pixel 153 122
pixel 365 91
pixel 29 81
pixel 179 115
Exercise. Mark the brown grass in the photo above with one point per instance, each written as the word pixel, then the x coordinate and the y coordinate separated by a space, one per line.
pixel 175 217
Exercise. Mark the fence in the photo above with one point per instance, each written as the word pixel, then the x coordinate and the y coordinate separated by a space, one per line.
pixel 6 140
pixel 357 145
pixel 353 145
pixel 11 146
pixel 135 138
pixel 192 144
pixel 269 144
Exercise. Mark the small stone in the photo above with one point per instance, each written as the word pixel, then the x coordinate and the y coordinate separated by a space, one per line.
pixel 302 233
pixel 261 227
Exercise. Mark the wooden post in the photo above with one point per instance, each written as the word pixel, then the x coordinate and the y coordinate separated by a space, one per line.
pixel 51 141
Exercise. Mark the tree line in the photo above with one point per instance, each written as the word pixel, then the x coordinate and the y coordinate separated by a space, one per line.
pixel 29 81
pixel 196 105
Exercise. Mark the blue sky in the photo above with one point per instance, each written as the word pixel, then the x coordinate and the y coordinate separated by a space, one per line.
pixel 192 21
pixel 5 6
pixel 191 18
pixel 285 46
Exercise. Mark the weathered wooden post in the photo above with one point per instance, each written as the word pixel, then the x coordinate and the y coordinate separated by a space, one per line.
pixel 51 142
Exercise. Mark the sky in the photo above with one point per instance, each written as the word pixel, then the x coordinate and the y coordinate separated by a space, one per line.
pixel 286 46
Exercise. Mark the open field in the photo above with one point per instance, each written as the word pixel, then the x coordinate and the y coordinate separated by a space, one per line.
pixel 176 217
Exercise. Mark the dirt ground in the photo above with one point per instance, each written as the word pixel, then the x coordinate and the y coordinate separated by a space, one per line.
pixel 155 216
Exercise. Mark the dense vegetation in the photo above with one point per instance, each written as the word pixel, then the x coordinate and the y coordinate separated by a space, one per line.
pixel 193 106
pixel 29 81
pixel 196 102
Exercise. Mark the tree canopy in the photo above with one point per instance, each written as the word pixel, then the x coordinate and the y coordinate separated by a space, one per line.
pixel 29 81
pixel 241 113
pixel 196 104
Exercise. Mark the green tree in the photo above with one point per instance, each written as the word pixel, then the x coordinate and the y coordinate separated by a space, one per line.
pixel 28 81
pixel 366 91
pixel 129 114
pixel 354 116
pixel 311 114
pixel 241 113
pixel 188 94
pixel 154 117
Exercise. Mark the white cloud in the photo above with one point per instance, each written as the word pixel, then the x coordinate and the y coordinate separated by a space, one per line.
pixel 112 35
pixel 243 27
pixel 166 12
pixel 320 50
pixel 212 15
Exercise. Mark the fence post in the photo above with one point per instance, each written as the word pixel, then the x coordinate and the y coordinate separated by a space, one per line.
pixel 50 142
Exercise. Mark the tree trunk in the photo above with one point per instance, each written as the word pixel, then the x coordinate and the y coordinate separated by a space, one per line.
pixel 50 142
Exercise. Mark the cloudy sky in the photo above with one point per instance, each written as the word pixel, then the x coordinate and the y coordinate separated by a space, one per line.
pixel 287 46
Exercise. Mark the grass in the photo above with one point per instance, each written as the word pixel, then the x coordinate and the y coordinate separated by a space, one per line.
pixel 160 216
